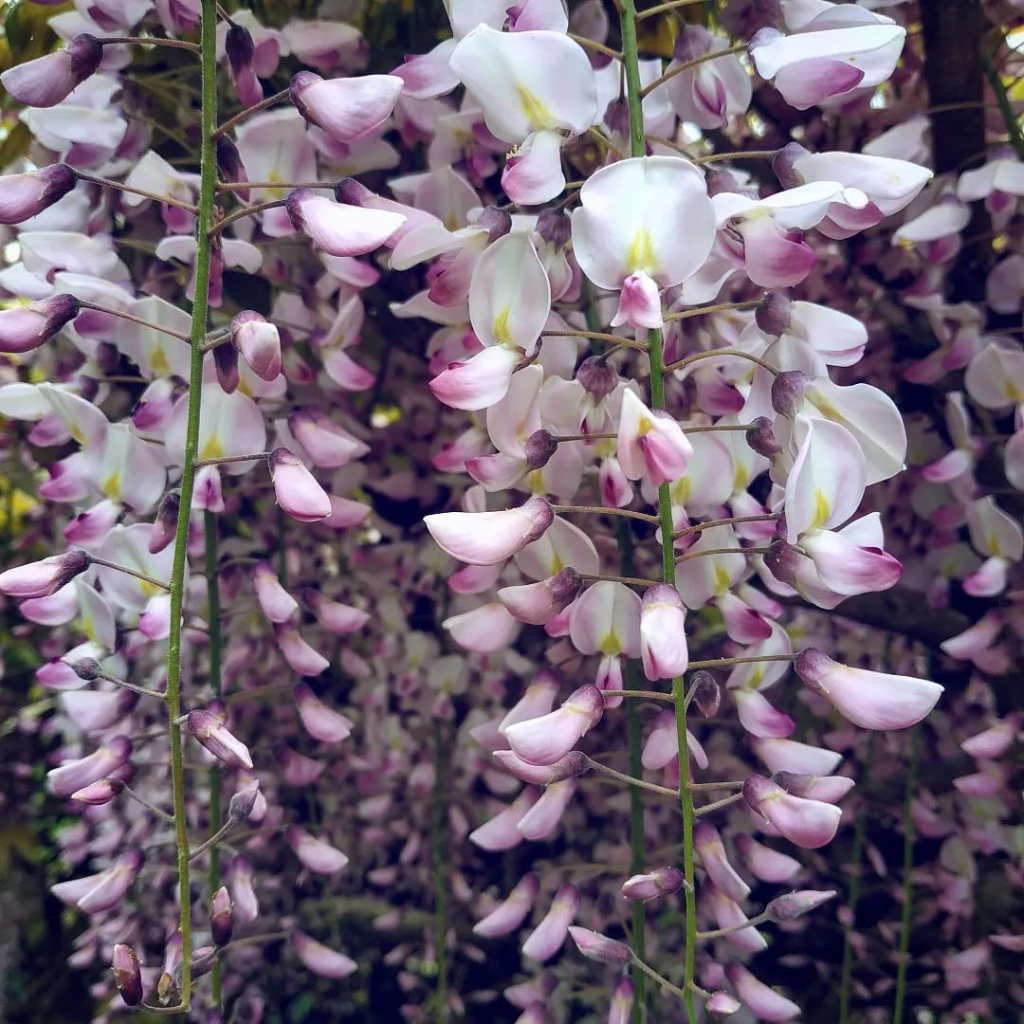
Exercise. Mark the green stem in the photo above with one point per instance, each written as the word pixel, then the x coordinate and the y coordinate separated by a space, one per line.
pixel 200 310
pixel 624 537
pixel 906 923
pixel 213 618
pixel 1005 106
pixel 440 862
pixel 638 148
pixel 856 856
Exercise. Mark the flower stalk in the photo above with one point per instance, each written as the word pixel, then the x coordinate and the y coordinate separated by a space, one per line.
pixel 638 147
pixel 200 312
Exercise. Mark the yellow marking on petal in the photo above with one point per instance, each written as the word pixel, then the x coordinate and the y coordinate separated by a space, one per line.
pixel 640 255
pixel 682 490
pixel 536 113
pixel 158 362
pixel 245 389
pixel 610 645
pixel 557 565
pixel 994 547
pixel 822 510
pixel 1013 393
pixel 77 435
pixel 535 480
pixel 755 678
pixel 212 449
pixel 723 580
pixel 112 486
pixel 149 589
pixel 740 478
pixel 501 329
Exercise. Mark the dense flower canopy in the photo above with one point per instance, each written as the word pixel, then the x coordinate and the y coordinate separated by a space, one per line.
pixel 483 477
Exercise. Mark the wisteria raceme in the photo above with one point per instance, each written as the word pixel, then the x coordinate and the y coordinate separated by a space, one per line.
pixel 482 477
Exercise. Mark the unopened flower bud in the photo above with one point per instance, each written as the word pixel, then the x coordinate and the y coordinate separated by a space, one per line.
pixel 597 377
pixel 540 446
pixel 571 766
pixel 692 42
pixel 347 109
pixel 26 195
pixel 43 578
pixel 88 669
pixel 243 802
pixel 616 116
pixel 229 160
pixel 225 362
pixel 297 490
pixel 222 917
pixel 497 222
pixel 787 390
pixel 98 793
pixel 761 437
pixel 167 989
pixel 351 192
pixel 722 181
pixel 127 974
pixel 595 946
pixel 165 525
pixel 554 227
pixel 774 314
pixel 259 344
pixel 706 692
pixel 239 47
pixel 784 165
pixel 48 80
pixel 24 328
pixel 793 904
pixel 721 1004
pixel 653 884
pixel 218 740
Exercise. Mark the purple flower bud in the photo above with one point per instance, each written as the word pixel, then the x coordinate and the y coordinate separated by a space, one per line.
pixel 722 181
pixel 239 47
pixel 721 1004
pixel 297 490
pixel 243 802
pixel 662 882
pixel 98 793
pixel 24 328
pixel 497 222
pixel 48 80
pixel 229 160
pixel 127 974
pixel 783 164
pixel 540 446
pixel 793 904
pixel 774 314
pixel 791 782
pixel 706 693
pixel 259 344
pixel 597 377
pixel 166 524
pixel 616 116
pixel 88 669
pixel 25 195
pixel 761 437
pixel 225 362
pixel 218 740
pixel 692 42
pixel 787 390
pixel 222 917
pixel 350 191
pixel 554 227
pixel 43 578
pixel 595 946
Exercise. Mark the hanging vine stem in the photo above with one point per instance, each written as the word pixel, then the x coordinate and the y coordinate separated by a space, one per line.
pixel 634 740
pixel 853 892
pixel 200 311
pixel 907 917
pixel 638 147
pixel 213 618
